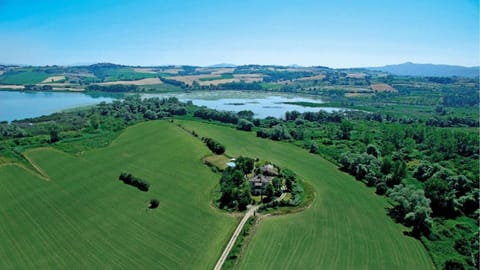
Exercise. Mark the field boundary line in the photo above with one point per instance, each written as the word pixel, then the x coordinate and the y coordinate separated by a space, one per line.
pixel 37 168
pixel 36 173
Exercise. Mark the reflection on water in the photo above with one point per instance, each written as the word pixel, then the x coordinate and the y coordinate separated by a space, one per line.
pixel 263 104
pixel 20 104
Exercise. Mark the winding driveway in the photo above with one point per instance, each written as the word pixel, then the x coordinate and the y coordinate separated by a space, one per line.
pixel 251 210
pixel 234 237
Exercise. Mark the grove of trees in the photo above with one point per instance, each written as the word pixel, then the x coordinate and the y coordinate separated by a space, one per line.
pixel 131 180
pixel 214 146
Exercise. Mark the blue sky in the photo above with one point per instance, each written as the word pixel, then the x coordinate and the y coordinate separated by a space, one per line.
pixel 203 32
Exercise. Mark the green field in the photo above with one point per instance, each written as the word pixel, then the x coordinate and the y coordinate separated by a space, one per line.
pixel 222 77
pixel 345 228
pixel 128 74
pixel 84 218
pixel 23 77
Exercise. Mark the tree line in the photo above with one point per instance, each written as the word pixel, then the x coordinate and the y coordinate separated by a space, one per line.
pixel 214 146
pixel 137 182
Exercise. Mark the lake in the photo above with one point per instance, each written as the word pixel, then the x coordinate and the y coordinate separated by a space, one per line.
pixel 263 104
pixel 16 105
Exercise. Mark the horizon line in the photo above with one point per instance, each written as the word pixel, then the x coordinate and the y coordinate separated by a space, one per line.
pixel 229 64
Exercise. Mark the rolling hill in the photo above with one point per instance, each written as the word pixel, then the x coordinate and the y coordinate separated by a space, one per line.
pixel 412 69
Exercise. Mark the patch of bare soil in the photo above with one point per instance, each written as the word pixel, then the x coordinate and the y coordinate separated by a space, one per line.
pixel 382 87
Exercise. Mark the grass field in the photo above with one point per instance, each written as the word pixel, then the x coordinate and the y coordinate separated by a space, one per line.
pixel 346 227
pixel 23 77
pixel 84 218
pixel 221 77
pixel 122 74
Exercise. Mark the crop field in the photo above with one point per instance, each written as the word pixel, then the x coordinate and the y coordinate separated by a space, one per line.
pixel 85 218
pixel 311 78
pixel 11 86
pixel 23 77
pixel 122 74
pixel 346 227
pixel 223 76
pixel 147 81
pixel 54 79
pixel 216 79
pixel 383 87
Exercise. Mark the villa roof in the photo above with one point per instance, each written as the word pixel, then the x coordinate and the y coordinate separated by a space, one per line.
pixel 259 178
pixel 269 169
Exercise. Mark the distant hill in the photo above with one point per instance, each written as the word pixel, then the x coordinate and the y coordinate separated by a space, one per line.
pixel 223 65
pixel 295 66
pixel 412 69
pixel 105 65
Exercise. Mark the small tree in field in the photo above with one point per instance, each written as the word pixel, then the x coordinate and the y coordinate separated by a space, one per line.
pixel 314 148
pixel 154 203
pixel 54 134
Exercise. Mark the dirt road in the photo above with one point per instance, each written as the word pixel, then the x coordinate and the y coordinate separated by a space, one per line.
pixel 234 237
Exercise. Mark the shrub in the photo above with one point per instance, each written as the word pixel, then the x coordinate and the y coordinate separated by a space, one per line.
pixel 453 264
pixel 154 203
pixel 129 179
pixel 244 125
pixel 214 146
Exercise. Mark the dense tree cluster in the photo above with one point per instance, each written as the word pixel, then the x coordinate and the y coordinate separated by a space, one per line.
pixel 214 146
pixel 11 131
pixel 32 87
pixel 245 164
pixel 237 86
pixel 134 108
pixel 117 88
pixel 54 133
pixel 104 116
pixel 244 125
pixel 452 121
pixel 461 97
pixel 222 116
pixel 173 82
pixel 361 165
pixel 277 132
pixel 411 208
pixel 129 179
pixel 293 185
pixel 235 189
pixel 234 185
pixel 401 140
pixel 452 195
pixel 320 116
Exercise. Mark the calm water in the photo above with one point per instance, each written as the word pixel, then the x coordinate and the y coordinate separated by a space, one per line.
pixel 16 105
pixel 262 104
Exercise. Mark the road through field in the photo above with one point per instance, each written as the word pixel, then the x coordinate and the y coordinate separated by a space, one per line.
pixel 234 237
pixel 251 211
